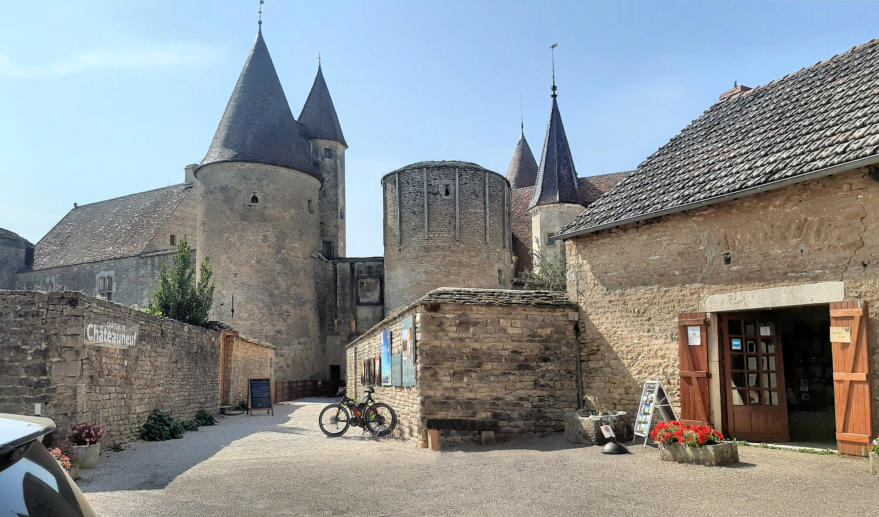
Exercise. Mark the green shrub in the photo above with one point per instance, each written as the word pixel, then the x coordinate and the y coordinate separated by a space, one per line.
pixel 190 425
pixel 205 418
pixel 241 405
pixel 161 426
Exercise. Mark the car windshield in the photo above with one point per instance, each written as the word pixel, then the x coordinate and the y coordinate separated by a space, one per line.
pixel 33 483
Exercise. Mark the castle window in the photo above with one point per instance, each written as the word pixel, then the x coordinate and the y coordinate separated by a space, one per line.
pixel 254 199
pixel 369 291
pixel 341 213
pixel 173 240
pixel 328 249
pixel 328 152
pixel 105 287
pixel 447 189
pixel 500 277
pixel 549 241
pixel 310 206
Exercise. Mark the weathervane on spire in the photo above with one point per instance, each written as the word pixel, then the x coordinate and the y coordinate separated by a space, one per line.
pixel 260 14
pixel 552 48
pixel 522 112
pixel 318 58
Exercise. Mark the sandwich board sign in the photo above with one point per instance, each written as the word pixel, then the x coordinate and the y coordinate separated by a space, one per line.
pixel 259 396
pixel 653 398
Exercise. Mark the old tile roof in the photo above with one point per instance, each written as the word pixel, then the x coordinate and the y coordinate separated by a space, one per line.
pixel 258 125
pixel 473 296
pixel 318 113
pixel 556 176
pixel 523 167
pixel 816 121
pixel 115 228
pixel 12 239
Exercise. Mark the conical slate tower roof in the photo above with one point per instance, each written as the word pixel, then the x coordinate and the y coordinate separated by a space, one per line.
pixel 258 125
pixel 556 176
pixel 319 115
pixel 523 168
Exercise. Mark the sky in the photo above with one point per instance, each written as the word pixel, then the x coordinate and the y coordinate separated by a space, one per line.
pixel 100 99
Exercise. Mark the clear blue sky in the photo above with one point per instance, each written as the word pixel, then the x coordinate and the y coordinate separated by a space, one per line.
pixel 105 98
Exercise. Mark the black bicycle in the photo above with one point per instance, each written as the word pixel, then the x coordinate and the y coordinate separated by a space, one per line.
pixel 377 417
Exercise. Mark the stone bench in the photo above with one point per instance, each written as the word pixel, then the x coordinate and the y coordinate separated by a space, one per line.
pixel 485 428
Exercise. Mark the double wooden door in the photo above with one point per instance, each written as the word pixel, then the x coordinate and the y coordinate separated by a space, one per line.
pixel 754 378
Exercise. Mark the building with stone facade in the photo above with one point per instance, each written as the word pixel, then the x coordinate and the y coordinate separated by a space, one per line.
pixel 751 242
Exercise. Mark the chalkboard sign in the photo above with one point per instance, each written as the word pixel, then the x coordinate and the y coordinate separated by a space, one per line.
pixel 653 397
pixel 259 396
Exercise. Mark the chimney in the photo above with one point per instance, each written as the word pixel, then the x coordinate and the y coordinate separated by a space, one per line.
pixel 737 89
pixel 189 177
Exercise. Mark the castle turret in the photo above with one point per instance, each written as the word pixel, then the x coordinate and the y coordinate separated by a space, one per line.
pixel 523 168
pixel 327 150
pixel 258 221
pixel 16 255
pixel 556 200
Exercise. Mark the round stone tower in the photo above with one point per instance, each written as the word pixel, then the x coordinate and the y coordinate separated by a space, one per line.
pixel 259 221
pixel 446 224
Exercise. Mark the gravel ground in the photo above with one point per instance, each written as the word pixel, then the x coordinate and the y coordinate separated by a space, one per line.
pixel 283 465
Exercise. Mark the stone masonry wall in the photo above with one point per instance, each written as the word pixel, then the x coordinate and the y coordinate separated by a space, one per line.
pixel 512 364
pixel 404 400
pixel 244 359
pixel 482 354
pixel 816 231
pixel 172 366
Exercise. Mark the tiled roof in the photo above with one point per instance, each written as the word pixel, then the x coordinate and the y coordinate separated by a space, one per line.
pixel 13 239
pixel 523 167
pixel 318 113
pixel 258 125
pixel 115 228
pixel 556 176
pixel 472 296
pixel 790 130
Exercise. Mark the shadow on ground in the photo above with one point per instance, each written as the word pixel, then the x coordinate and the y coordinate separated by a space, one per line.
pixel 153 465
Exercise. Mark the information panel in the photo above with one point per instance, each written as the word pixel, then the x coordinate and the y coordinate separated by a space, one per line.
pixel 653 397
pixel 259 396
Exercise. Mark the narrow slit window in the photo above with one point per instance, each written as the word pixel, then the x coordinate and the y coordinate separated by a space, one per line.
pixel 310 206
pixel 254 199
pixel 173 240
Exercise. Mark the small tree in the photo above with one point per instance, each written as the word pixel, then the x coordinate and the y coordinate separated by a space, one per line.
pixel 545 273
pixel 178 295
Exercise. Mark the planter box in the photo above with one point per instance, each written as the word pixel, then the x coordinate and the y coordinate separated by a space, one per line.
pixel 583 427
pixel 726 453
pixel 88 455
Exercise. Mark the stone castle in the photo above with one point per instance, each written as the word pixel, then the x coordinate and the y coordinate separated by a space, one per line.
pixel 267 206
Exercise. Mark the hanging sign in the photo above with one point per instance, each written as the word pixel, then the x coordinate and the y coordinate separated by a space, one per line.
pixel 653 397
pixel 840 334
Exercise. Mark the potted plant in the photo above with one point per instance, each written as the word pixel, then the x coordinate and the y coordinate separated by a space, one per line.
pixel 62 460
pixel 699 444
pixel 86 442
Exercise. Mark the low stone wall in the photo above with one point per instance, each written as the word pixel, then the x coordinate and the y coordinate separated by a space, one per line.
pixel 87 360
pixel 404 400
pixel 499 356
pixel 244 359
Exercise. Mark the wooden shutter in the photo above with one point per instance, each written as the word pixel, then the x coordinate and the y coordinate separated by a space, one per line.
pixel 851 379
pixel 693 366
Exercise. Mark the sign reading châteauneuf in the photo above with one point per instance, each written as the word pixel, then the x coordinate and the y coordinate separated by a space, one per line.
pixel 100 330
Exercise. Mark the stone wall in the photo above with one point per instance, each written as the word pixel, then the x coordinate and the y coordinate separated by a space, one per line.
pixel 505 356
pixel 404 400
pixel 15 252
pixel 134 278
pixel 52 353
pixel 244 359
pixel 817 231
pixel 445 224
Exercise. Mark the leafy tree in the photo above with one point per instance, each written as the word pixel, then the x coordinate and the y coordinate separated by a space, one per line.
pixel 545 273
pixel 178 295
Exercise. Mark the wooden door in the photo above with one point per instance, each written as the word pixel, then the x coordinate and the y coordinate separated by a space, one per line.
pixel 693 368
pixel 851 377
pixel 754 378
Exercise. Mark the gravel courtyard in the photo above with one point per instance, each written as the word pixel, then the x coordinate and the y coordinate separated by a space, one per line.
pixel 283 465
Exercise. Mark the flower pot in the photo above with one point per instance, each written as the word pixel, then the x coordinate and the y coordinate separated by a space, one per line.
pixel 584 426
pixel 88 455
pixel 874 463
pixel 726 453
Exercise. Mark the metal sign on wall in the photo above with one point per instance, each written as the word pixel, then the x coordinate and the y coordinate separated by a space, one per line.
pixel 105 331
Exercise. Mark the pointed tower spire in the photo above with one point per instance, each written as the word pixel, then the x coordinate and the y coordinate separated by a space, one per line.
pixel 556 176
pixel 258 125
pixel 318 114
pixel 523 168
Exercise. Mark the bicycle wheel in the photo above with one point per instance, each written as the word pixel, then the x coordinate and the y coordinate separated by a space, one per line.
pixel 380 419
pixel 334 420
